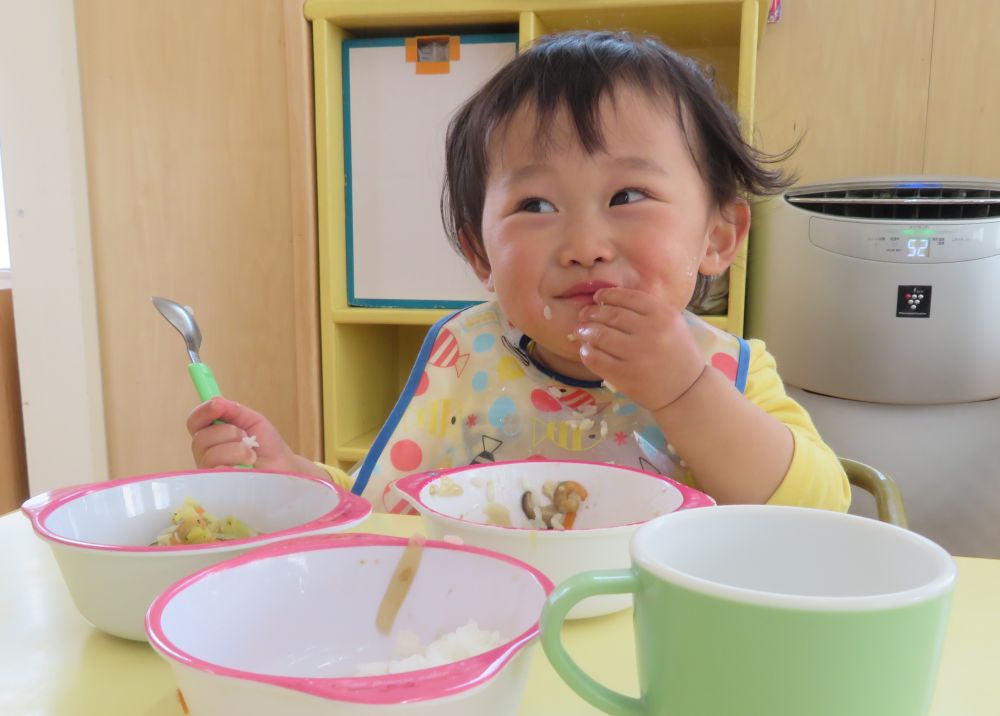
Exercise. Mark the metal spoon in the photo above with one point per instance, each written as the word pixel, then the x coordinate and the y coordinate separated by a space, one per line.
pixel 180 318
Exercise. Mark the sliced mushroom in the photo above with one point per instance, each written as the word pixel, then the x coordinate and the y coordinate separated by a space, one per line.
pixel 528 504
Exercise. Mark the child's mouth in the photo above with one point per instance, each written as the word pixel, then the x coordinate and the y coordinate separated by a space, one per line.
pixel 584 292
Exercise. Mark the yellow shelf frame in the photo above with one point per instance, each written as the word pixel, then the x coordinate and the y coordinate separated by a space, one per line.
pixel 367 352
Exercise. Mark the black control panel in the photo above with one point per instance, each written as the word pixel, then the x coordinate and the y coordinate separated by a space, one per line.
pixel 913 301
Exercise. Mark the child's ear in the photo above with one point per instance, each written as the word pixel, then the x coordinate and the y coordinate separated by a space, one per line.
pixel 480 266
pixel 726 236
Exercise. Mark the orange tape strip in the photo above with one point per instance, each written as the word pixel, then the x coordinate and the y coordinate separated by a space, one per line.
pixel 433 68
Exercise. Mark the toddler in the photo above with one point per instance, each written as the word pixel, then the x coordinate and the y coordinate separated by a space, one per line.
pixel 594 184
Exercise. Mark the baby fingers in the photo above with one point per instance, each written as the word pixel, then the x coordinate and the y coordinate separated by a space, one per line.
pixel 622 319
pixel 222 444
pixel 227 455
pixel 603 338
pixel 629 299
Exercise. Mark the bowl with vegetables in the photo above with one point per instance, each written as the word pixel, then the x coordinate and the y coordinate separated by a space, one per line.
pixel 119 543
pixel 563 517
pixel 353 624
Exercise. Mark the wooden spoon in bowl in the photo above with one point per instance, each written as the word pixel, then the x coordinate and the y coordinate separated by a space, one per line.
pixel 399 584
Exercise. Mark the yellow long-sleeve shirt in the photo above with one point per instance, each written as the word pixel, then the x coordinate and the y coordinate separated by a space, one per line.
pixel 815 477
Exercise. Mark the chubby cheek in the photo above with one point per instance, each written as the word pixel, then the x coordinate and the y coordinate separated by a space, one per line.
pixel 671 277
pixel 522 305
pixel 516 280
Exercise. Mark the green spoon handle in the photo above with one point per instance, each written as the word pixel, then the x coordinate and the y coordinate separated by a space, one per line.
pixel 204 383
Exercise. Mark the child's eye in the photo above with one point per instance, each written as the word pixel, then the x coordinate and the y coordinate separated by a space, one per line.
pixel 537 206
pixel 628 196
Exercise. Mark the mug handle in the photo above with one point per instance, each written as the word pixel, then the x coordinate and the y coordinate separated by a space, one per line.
pixel 557 606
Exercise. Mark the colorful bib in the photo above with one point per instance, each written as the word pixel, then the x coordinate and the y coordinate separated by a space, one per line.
pixel 474 395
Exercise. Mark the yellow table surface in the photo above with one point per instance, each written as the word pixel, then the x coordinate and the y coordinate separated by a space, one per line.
pixel 53 662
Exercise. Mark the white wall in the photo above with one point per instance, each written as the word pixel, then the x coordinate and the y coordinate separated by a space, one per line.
pixel 41 135
pixel 4 250
pixel 4 246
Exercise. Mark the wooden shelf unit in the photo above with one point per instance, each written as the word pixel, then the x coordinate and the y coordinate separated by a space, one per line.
pixel 367 352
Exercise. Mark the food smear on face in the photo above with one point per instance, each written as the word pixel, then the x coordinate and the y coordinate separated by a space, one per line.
pixel 468 640
pixel 399 584
pixel 191 524
pixel 547 312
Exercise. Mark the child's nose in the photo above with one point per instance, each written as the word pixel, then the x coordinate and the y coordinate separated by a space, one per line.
pixel 586 245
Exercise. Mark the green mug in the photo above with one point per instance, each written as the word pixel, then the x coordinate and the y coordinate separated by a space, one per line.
pixel 771 611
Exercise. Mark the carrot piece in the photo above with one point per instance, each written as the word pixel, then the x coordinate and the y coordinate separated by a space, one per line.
pixel 180 697
pixel 568 519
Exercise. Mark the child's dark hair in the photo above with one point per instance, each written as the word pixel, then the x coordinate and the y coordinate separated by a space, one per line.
pixel 576 70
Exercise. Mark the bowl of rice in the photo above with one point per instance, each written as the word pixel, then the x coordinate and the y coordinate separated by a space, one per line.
pixel 562 517
pixel 119 543
pixel 297 627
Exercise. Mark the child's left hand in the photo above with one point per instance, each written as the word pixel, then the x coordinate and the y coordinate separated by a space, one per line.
pixel 639 345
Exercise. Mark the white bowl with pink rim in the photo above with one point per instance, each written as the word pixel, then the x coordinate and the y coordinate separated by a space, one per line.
pixel 101 533
pixel 464 502
pixel 287 628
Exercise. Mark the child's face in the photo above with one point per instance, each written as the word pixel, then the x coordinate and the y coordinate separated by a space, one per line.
pixel 558 224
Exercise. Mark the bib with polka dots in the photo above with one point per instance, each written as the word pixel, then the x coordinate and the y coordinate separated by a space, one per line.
pixel 475 395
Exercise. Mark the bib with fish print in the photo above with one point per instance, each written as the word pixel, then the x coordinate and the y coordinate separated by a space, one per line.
pixel 474 396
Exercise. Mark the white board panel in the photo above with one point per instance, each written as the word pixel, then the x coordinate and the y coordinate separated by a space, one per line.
pixel 398 253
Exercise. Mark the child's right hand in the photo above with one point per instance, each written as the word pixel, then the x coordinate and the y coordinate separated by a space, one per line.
pixel 222 444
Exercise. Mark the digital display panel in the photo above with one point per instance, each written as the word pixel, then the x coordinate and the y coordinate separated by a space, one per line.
pixel 918 248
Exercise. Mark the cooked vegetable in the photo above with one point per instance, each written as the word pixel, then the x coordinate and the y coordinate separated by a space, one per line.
pixel 566 497
pixel 190 524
